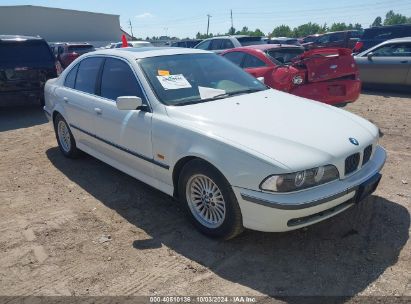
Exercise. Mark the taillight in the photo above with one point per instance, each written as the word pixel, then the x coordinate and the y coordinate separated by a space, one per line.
pixel 358 46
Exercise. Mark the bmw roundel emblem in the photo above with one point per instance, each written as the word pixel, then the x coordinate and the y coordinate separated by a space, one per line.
pixel 354 141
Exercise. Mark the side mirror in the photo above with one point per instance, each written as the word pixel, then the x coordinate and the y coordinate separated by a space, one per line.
pixel 261 79
pixel 127 103
pixel 369 56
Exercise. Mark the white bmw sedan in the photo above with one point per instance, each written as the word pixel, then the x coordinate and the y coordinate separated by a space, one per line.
pixel 195 126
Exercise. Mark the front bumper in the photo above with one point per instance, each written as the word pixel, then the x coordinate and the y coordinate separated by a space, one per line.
pixel 272 212
pixel 330 92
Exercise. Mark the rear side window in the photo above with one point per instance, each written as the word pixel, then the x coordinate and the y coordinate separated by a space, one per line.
pixel 235 57
pixel 253 62
pixel 216 44
pixel 245 41
pixel 87 75
pixel 71 78
pixel 227 44
pixel 21 52
pixel 118 80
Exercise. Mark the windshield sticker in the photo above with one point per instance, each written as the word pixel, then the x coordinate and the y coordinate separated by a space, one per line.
pixel 174 82
pixel 163 73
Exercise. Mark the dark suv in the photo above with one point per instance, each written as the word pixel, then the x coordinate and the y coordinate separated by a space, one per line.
pixel 343 39
pixel 26 63
pixel 375 35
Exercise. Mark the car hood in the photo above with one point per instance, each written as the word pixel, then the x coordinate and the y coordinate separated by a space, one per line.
pixel 293 131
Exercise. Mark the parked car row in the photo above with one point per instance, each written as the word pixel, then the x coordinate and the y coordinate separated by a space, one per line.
pixel 197 127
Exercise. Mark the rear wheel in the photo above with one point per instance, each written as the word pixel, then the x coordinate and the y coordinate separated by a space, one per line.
pixel 209 200
pixel 65 139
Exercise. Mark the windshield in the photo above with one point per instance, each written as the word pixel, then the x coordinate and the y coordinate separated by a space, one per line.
pixel 284 55
pixel 80 48
pixel 194 78
pixel 25 52
pixel 246 41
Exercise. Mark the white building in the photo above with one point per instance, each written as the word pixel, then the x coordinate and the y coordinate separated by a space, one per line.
pixel 60 25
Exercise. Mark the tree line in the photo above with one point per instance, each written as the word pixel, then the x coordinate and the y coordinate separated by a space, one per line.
pixel 310 28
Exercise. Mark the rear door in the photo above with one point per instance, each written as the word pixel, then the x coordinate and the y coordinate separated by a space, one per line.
pixel 79 99
pixel 124 136
pixel 389 64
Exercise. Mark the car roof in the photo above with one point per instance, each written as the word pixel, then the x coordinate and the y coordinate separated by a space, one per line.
pixel 264 47
pixel 18 37
pixel 402 39
pixel 147 52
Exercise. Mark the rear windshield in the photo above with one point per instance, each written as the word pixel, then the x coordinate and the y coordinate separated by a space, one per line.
pixel 245 41
pixel 284 55
pixel 25 52
pixel 80 48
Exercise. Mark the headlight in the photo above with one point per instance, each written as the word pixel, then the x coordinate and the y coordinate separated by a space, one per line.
pixel 300 180
pixel 297 80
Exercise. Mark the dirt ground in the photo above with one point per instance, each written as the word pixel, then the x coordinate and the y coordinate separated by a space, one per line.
pixel 83 228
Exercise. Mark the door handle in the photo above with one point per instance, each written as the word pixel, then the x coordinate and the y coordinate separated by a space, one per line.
pixel 98 111
pixel 404 61
pixel 66 100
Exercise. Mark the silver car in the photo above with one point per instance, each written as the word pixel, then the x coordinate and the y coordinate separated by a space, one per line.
pixel 388 63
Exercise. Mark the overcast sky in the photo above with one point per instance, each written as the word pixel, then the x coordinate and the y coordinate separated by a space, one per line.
pixel 185 18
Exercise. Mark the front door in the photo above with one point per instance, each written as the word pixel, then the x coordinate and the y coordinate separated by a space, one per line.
pixel 124 136
pixel 389 64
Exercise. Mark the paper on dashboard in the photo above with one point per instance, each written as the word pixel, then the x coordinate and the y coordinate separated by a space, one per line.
pixel 206 92
pixel 174 82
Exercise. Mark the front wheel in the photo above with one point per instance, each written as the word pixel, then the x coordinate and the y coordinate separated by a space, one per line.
pixel 209 200
pixel 65 138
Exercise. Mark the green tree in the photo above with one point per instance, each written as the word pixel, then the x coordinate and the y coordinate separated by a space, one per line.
pixel 308 29
pixel 377 22
pixel 392 18
pixel 231 31
pixel 257 33
pixel 339 26
pixel 282 31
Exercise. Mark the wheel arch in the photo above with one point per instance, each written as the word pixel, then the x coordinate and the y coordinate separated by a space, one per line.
pixel 180 164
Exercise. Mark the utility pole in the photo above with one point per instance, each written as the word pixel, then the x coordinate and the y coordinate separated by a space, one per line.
pixel 130 25
pixel 208 23
pixel 232 24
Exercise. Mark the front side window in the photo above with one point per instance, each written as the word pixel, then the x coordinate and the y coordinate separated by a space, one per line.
pixel 194 78
pixel 235 57
pixel 118 80
pixel 87 74
pixel 394 50
pixel 253 62
pixel 205 45
pixel 71 78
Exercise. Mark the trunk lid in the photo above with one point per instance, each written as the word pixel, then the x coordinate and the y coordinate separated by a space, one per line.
pixel 327 64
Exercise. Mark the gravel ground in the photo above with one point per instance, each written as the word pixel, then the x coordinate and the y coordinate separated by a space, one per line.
pixel 83 228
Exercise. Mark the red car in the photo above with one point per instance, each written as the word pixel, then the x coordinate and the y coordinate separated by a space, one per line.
pixel 327 75
pixel 66 53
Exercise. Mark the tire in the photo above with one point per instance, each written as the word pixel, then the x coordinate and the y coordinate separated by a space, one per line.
pixel 209 200
pixel 65 138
